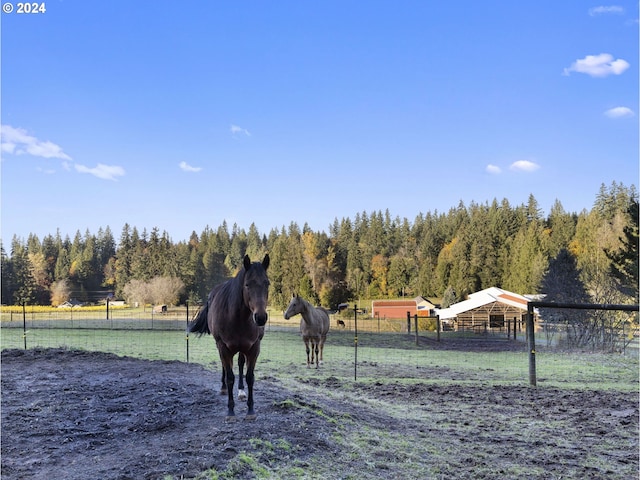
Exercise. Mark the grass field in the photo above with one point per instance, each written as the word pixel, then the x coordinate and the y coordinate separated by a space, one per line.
pixel 461 408
pixel 282 350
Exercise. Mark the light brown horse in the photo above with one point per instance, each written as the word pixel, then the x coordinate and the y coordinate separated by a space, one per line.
pixel 235 314
pixel 314 326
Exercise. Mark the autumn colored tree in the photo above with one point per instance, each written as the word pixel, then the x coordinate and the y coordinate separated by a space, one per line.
pixel 374 254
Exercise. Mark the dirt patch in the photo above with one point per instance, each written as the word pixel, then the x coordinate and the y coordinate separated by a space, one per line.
pixel 77 415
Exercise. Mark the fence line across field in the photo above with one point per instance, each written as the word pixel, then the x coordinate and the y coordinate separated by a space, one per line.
pixel 531 341
pixel 98 331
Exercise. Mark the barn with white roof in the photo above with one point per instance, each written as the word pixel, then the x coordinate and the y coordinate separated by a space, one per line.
pixel 489 309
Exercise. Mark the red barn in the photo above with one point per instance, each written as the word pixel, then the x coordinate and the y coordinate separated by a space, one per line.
pixel 393 309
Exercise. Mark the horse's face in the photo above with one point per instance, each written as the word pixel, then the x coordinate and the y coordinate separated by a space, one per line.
pixel 294 308
pixel 255 290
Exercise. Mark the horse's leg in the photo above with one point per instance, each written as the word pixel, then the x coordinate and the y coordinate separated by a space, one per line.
pixel 226 357
pixel 252 357
pixel 230 380
pixel 306 346
pixel 317 348
pixel 322 340
pixel 242 396
pixel 223 388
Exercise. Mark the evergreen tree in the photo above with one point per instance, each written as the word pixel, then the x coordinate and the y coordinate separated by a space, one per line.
pixel 123 261
pixel 140 255
pixel 215 270
pixel 624 261
pixel 399 276
pixel 50 253
pixel 562 284
pixel 237 250
pixel 449 297
pixel 307 291
pixel 24 285
pixel 528 261
pixel 63 265
pixel 7 282
pixel 562 228
pixel 280 292
pixel 375 254
pixel 255 244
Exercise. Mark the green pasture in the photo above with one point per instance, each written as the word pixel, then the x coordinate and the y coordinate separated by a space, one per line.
pixel 384 357
pixel 449 442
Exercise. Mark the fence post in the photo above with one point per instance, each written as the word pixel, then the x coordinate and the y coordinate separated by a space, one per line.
pixel 416 325
pixel 438 326
pixel 24 325
pixel 408 323
pixel 531 339
pixel 355 342
pixel 187 331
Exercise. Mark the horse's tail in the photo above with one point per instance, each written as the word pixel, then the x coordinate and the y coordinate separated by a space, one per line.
pixel 201 323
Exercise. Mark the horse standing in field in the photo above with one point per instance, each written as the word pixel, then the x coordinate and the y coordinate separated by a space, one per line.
pixel 235 314
pixel 313 327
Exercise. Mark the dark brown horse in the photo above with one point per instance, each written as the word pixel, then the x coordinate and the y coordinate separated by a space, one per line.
pixel 235 314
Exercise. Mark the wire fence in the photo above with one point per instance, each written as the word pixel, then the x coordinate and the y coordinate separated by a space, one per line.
pixel 360 348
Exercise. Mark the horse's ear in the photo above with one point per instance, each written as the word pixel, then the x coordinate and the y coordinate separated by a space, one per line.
pixel 265 261
pixel 247 262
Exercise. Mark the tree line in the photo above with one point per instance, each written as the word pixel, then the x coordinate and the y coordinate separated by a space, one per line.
pixel 374 255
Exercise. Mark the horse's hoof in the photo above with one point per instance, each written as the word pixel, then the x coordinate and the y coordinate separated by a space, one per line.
pixel 250 417
pixel 242 396
pixel 230 419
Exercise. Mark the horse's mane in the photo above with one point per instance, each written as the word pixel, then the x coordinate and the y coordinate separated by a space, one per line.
pixel 230 292
pixel 312 306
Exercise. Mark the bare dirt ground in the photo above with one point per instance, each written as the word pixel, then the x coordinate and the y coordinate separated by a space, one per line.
pixel 79 415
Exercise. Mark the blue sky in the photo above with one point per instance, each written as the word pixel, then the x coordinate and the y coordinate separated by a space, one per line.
pixel 179 115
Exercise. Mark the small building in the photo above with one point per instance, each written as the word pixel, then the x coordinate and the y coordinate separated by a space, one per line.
pixel 393 309
pixel 425 307
pixel 397 309
pixel 160 309
pixel 489 309
pixel 71 303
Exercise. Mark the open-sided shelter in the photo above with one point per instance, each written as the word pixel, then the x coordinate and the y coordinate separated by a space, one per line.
pixel 489 309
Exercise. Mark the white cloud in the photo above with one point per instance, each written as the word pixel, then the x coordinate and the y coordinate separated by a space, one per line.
pixel 106 172
pixel 188 168
pixel 619 112
pixel 18 142
pixel 493 169
pixel 524 166
pixel 601 65
pixel 236 129
pixel 606 9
